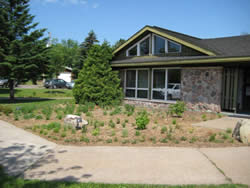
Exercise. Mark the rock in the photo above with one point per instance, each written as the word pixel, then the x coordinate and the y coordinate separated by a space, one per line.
pixel 236 131
pixel 75 121
pixel 242 131
pixel 245 131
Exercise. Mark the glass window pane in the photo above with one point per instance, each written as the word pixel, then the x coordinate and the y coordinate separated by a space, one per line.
pixel 159 95
pixel 144 47
pixel 121 76
pixel 159 45
pixel 142 94
pixel 173 47
pixel 142 79
pixel 159 79
pixel 133 51
pixel 130 93
pixel 174 82
pixel 130 78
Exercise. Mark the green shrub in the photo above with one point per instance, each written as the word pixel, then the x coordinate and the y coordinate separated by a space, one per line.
pixel 177 109
pixel 174 121
pixel 84 129
pixel 111 124
pixel 105 113
pixel 47 112
pixel 38 117
pixel 109 141
pixel 229 130
pixel 183 138
pixel 142 120
pixel 118 121
pixel 84 139
pixel 97 82
pixel 125 141
pixel 113 133
pixel 134 142
pixel 142 139
pixel 219 115
pixel 96 132
pixel 204 117
pixel 164 130
pixel 193 139
pixel 129 109
pixel 137 133
pixel 212 138
pixel 73 131
pixel 123 124
pixel 153 139
pixel 164 140
pixel 117 110
pixel 115 139
pixel 6 110
pixel 124 133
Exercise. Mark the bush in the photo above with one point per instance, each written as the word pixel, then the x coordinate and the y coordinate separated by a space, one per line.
pixel 212 137
pixel 177 109
pixel 163 130
pixel 117 110
pixel 96 132
pixel 97 82
pixel 111 124
pixel 142 120
pixel 129 109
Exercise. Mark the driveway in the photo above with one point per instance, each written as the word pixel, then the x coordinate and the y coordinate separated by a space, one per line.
pixel 35 158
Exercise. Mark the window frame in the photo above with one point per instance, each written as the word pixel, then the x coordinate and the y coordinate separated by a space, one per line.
pixel 138 46
pixel 166 84
pixel 136 83
pixel 166 44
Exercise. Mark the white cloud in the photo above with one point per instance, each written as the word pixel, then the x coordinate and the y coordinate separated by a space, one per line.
pixel 95 5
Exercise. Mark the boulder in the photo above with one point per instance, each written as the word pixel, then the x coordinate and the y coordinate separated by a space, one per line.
pixel 75 121
pixel 245 131
pixel 242 131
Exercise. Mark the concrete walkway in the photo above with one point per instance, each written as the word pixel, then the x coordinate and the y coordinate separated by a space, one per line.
pixel 222 123
pixel 35 158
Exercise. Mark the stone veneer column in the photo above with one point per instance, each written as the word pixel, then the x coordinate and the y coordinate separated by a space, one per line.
pixel 201 88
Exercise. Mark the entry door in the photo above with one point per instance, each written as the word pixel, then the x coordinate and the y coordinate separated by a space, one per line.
pixel 230 87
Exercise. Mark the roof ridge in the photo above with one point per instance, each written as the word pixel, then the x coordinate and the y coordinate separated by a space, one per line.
pixel 176 32
pixel 235 36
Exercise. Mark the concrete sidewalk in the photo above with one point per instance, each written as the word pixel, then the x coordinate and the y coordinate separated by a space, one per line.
pixel 143 165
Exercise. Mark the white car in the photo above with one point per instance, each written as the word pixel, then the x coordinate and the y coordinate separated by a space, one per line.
pixel 174 91
pixel 3 82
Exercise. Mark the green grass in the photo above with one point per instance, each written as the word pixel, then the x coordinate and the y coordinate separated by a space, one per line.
pixel 38 93
pixel 13 182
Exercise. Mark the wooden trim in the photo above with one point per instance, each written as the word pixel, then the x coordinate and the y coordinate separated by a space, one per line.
pixel 147 28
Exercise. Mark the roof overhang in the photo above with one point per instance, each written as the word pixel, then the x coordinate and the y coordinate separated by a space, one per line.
pixel 150 29
pixel 211 60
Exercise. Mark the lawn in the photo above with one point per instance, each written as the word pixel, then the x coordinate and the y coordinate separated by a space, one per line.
pixel 13 182
pixel 38 93
pixel 117 126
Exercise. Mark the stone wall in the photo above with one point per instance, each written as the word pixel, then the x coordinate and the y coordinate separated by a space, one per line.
pixel 201 88
pixel 147 103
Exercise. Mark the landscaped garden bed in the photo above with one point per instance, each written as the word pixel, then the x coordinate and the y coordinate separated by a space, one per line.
pixel 119 126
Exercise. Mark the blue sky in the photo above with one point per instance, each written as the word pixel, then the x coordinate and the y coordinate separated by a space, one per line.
pixel 115 19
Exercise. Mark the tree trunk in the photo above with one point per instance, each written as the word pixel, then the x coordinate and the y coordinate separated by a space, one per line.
pixel 12 92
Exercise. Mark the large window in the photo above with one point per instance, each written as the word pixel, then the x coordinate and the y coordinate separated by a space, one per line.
pixel 137 83
pixel 173 47
pixel 159 45
pixel 132 51
pixel 144 47
pixel 140 48
pixel 166 84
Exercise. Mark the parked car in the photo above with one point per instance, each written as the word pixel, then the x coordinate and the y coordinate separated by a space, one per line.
pixel 55 83
pixel 174 91
pixel 3 82
pixel 70 85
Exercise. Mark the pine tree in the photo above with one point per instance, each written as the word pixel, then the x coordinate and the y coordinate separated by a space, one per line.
pixel 22 54
pixel 88 42
pixel 118 43
pixel 97 82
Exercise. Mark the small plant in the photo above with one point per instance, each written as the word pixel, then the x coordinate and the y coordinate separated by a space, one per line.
pixel 105 113
pixel 96 132
pixel 225 136
pixel 142 139
pixel 89 114
pixel 164 140
pixel 111 124
pixel 177 109
pixel 73 131
pixel 126 121
pixel 193 139
pixel 137 133
pixel 84 139
pixel 47 111
pixel 124 133
pixel 115 139
pixel 38 117
pixel 219 115
pixel 59 116
pixel 84 129
pixel 204 117
pixel 125 141
pixel 113 133
pixel 123 124
pixel 183 138
pixel 118 121
pixel 142 120
pixel 174 121
pixel 176 142
pixel 64 134
pixel 117 110
pixel 212 138
pixel 164 130
pixel 229 130
pixel 109 141
pixel 129 109
pixel 191 130
pixel 134 142
pixel 153 139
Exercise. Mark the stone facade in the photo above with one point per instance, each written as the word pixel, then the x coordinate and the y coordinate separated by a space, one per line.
pixel 201 88
pixel 147 103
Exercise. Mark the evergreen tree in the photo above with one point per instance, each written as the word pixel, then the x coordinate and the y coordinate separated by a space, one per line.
pixel 88 42
pixel 118 43
pixel 96 81
pixel 22 54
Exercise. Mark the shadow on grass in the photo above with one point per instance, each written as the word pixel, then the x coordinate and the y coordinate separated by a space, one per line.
pixel 54 92
pixel 6 100
pixel 7 91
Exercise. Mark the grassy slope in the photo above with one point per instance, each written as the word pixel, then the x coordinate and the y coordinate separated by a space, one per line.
pixel 41 93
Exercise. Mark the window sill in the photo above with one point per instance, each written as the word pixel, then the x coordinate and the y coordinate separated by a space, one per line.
pixel 154 101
